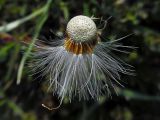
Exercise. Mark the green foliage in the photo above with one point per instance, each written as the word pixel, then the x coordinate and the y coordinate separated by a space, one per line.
pixel 4 51
pixel 38 27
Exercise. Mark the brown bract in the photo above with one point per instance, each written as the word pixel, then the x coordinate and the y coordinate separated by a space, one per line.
pixel 80 47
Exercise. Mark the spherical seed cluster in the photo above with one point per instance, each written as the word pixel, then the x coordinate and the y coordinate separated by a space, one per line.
pixel 81 29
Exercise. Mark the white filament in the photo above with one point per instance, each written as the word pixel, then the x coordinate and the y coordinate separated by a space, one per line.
pixel 85 75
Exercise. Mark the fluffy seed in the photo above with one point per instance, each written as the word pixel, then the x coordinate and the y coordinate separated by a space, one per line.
pixel 81 65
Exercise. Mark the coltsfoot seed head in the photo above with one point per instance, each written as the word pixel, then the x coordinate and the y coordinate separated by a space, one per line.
pixel 81 29
pixel 81 65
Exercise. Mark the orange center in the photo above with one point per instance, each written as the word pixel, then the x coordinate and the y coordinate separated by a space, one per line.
pixel 79 47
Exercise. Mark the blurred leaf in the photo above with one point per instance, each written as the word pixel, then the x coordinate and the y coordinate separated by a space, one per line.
pixel 128 94
pixel 2 2
pixel 38 27
pixel 2 102
pixel 12 61
pixel 4 50
pixel 102 99
pixel 131 17
pixel 30 116
pixel 128 114
pixel 64 8
pixel 133 55
pixel 1 93
pixel 17 110
pixel 10 26
pixel 86 9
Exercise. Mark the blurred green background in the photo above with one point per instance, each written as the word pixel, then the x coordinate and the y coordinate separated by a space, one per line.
pixel 26 20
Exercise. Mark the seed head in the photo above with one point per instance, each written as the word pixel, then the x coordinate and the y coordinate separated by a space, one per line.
pixel 81 29
pixel 81 65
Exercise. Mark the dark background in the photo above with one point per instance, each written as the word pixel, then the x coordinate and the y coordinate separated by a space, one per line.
pixel 139 100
